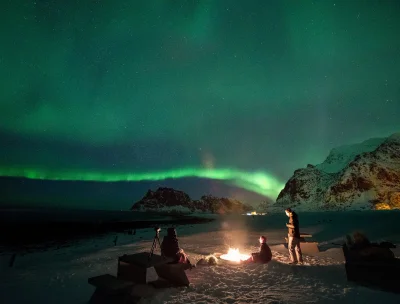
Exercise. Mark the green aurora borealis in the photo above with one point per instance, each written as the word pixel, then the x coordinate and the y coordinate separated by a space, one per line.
pixel 243 92
pixel 256 182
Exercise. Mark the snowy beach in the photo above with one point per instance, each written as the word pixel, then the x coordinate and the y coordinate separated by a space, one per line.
pixel 60 275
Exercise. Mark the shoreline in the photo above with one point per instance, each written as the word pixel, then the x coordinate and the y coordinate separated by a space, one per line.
pixel 32 236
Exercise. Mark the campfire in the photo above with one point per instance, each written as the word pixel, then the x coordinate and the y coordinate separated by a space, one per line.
pixel 234 255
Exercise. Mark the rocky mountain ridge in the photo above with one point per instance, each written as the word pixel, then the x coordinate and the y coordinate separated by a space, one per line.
pixel 171 200
pixel 354 177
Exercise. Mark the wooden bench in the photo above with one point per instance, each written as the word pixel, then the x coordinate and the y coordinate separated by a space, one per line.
pixel 110 289
pixel 140 269
pixel 307 247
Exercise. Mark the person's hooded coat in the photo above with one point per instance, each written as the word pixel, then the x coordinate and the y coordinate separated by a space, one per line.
pixel 170 246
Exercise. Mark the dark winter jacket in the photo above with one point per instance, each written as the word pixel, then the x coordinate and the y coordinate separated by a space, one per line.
pixel 264 256
pixel 293 226
pixel 265 253
pixel 170 246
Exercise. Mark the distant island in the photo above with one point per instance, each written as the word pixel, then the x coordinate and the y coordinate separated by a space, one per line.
pixel 174 201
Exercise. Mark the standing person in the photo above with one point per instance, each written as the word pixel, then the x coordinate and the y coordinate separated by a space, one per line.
pixel 294 237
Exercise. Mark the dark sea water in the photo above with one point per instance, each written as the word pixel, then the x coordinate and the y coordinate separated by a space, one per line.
pixel 324 226
pixel 34 215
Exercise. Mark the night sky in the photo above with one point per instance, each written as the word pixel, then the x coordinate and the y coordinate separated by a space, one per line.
pixel 243 92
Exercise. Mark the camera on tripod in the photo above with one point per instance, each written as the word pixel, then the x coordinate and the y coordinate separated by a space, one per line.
pixel 155 242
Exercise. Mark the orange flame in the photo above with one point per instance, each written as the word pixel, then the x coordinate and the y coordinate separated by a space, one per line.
pixel 234 255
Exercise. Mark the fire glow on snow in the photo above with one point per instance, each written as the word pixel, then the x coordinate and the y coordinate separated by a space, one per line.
pixel 234 255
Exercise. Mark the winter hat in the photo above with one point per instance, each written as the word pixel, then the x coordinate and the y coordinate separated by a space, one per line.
pixel 171 232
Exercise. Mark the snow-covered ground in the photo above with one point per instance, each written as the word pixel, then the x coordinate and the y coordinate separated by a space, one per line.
pixel 60 276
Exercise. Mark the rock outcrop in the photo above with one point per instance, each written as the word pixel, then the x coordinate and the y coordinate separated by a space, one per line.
pixel 220 205
pixel 171 200
pixel 363 176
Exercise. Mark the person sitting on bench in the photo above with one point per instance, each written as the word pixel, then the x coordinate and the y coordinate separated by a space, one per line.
pixel 170 248
pixel 361 249
pixel 264 255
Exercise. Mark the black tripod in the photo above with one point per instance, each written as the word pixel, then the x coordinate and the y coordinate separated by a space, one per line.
pixel 155 241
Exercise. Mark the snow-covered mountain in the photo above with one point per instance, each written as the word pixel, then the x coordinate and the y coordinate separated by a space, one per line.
pixel 340 157
pixel 171 200
pixel 361 176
